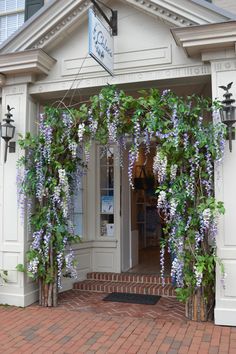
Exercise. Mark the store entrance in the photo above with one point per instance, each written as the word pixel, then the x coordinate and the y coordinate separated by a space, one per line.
pixel 146 223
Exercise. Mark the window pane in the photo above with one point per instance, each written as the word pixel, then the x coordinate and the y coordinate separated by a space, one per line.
pixel 78 211
pixel 78 224
pixel 78 202
pixel 107 192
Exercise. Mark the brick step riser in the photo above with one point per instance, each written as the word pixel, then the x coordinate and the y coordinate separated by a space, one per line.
pixel 124 278
pixel 165 292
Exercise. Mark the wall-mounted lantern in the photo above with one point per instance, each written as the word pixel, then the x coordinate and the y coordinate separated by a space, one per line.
pixel 228 112
pixel 7 132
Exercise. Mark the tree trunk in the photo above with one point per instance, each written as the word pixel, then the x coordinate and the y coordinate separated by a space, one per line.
pixel 40 292
pixel 198 307
pixel 48 293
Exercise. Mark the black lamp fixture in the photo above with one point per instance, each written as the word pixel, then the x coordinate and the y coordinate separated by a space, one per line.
pixel 8 131
pixel 227 112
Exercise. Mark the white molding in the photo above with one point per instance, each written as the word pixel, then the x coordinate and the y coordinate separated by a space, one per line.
pixel 57 17
pixel 30 61
pixel 100 79
pixel 19 299
pixel 96 243
pixel 197 39
pixel 225 317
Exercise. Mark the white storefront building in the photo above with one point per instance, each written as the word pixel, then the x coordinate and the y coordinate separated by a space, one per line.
pixel 187 46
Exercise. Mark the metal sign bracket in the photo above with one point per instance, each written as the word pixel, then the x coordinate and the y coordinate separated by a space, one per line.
pixel 112 22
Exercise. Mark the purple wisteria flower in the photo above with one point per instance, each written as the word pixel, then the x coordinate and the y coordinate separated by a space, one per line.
pixel 165 92
pixel 81 131
pixel 162 264
pixel 93 123
pixel 162 201
pixel 64 187
pixel 60 261
pixel 40 178
pixel 205 219
pixel 67 122
pixel 32 266
pixel 132 159
pixel 48 134
pixel 198 276
pixel 175 132
pixel 177 271
pixel 172 208
pixel 159 167
pixel 73 149
pixel 163 136
pixel 196 155
pixel 147 141
pixel 185 141
pixel 37 238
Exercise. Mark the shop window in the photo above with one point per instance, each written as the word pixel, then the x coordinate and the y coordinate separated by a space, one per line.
pixel 106 192
pixel 78 210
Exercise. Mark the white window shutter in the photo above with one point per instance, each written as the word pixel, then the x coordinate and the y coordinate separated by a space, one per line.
pixel 11 24
pixel 2 29
pixel 11 5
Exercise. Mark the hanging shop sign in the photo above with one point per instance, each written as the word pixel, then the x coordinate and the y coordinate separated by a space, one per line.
pixel 101 43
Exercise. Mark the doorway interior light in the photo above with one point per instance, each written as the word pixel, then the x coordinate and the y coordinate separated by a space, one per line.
pixel 7 132
pixel 227 112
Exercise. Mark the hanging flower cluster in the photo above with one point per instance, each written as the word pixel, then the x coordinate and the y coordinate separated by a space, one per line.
pixel 183 167
pixel 187 148
pixel 47 174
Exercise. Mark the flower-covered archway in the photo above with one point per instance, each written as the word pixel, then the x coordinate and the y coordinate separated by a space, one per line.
pixel 188 144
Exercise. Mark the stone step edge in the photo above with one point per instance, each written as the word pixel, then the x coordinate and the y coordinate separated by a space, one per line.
pixel 136 288
pixel 127 277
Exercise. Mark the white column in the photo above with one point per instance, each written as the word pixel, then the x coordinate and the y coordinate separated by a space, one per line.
pixel 14 239
pixel 223 72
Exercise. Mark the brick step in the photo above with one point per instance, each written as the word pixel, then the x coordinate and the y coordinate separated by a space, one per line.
pixel 125 287
pixel 127 277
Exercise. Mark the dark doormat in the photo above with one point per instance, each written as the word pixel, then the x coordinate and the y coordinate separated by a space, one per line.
pixel 133 298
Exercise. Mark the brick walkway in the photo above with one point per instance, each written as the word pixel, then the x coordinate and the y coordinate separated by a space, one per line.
pixel 87 327
pixel 167 308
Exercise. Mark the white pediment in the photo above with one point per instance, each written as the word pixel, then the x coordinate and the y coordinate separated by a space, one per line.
pixel 47 27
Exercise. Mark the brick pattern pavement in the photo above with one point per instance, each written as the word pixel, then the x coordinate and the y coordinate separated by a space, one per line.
pixel 39 330
pixel 166 308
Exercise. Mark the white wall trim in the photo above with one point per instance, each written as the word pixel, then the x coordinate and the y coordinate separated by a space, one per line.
pixel 225 317
pixel 19 299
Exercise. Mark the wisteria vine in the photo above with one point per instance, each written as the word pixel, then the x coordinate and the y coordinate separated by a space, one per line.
pixel 187 146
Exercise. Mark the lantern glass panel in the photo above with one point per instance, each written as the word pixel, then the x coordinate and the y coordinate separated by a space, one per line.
pixel 3 131
pixel 10 131
pixel 7 131
pixel 229 114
